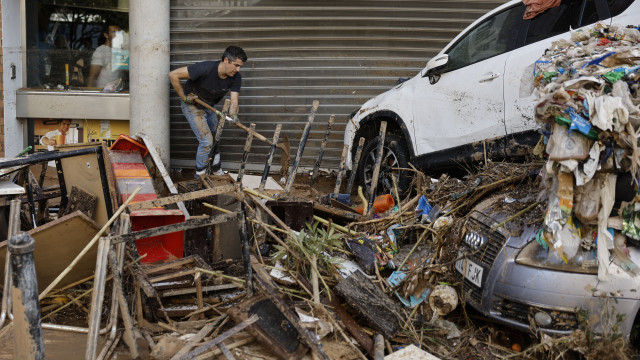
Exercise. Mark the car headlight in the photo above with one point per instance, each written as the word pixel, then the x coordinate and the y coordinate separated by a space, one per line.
pixel 474 240
pixel 533 254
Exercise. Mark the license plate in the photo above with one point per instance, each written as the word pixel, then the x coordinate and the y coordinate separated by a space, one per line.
pixel 470 270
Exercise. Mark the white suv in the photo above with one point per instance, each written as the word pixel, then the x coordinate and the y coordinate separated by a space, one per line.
pixel 476 97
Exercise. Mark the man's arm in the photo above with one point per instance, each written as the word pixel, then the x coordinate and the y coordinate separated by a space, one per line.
pixel 233 109
pixel 94 71
pixel 175 76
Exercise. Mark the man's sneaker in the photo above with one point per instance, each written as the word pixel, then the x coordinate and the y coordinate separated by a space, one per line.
pixel 218 173
pixel 200 172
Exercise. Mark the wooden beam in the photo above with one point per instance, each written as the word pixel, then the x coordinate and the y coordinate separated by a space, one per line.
pixel 161 230
pixel 181 197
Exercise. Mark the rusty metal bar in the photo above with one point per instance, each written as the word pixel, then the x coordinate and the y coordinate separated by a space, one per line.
pixel 245 153
pixel 272 150
pixel 323 145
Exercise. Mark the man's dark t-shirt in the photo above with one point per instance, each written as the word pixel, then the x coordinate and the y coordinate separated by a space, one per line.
pixel 206 83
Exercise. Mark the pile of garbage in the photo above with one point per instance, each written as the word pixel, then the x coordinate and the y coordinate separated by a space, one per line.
pixel 588 109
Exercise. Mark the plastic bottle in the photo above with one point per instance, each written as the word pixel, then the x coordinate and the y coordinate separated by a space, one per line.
pixel 382 203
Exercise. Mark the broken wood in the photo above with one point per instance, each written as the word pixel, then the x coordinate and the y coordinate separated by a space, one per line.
pixel 86 249
pixel 272 292
pixel 209 344
pixel 303 143
pixel 181 197
pixel 354 165
pixel 342 170
pixel 193 341
pixel 97 297
pixel 129 333
pixel 167 229
pixel 370 302
pixel 323 145
pixel 376 168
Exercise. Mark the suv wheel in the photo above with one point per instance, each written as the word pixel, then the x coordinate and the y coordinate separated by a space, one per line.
pixel 394 155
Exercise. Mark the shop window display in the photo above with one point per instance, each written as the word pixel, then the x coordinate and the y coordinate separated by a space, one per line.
pixel 77 45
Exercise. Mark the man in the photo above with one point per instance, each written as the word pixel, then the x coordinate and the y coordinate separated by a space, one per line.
pixel 60 136
pixel 210 81
pixel 101 72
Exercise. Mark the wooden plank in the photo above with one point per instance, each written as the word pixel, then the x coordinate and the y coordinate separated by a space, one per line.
pixel 161 230
pixel 57 244
pixel 382 313
pixel 181 197
pixel 157 161
pixel 337 214
pixel 272 291
pixel 178 292
pixel 208 345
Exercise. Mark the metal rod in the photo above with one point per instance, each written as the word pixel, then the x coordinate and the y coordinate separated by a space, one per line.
pixel 272 150
pixel 105 182
pixel 14 228
pixel 64 196
pixel 97 297
pixel 245 154
pixel 31 201
pixel 341 172
pixel 303 143
pixel 29 343
pixel 129 333
pixel 47 156
pixel 376 168
pixel 244 237
pixel 216 137
pixel 354 165
pixel 323 145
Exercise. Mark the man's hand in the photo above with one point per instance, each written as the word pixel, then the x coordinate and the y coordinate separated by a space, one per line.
pixel 234 118
pixel 190 99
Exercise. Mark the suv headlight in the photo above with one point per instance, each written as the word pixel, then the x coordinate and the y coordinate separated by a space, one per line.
pixel 533 254
pixel 475 240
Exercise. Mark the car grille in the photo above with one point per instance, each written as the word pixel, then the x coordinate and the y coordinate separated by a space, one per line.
pixel 485 256
pixel 523 313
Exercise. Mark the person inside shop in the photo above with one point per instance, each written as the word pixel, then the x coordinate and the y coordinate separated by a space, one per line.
pixel 63 134
pixel 101 72
pixel 209 81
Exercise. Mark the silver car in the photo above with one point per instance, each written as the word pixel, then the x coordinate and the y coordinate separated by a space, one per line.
pixel 510 278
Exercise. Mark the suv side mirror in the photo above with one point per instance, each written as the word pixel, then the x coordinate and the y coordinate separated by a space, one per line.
pixel 435 64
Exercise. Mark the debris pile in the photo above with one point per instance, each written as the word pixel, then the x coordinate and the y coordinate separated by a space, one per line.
pixel 588 107
pixel 262 270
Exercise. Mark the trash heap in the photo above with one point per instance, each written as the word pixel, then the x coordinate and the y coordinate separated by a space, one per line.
pixel 588 109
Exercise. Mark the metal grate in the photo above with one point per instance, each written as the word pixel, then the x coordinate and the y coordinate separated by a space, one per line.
pixel 340 52
pixel 523 313
pixel 485 257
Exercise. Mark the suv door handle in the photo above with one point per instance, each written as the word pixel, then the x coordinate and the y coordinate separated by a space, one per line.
pixel 489 77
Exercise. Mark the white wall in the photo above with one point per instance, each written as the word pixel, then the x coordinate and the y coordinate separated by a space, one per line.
pixel 13 54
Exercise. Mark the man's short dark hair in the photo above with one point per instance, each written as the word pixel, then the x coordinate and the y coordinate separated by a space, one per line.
pixel 233 53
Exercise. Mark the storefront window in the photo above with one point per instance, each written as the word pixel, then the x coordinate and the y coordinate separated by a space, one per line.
pixel 78 45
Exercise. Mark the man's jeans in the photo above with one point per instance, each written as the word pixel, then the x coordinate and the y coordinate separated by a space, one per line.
pixel 203 123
